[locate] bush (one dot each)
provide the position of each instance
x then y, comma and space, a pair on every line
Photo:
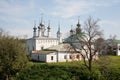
57, 72
63, 72
111, 73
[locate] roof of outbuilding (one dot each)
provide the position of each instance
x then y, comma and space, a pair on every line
66, 47
44, 52
62, 47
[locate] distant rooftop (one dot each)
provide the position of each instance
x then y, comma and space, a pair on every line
117, 41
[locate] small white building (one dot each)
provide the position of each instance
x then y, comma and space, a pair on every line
65, 53
59, 53
44, 56
116, 47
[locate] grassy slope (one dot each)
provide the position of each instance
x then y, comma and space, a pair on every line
115, 61
68, 70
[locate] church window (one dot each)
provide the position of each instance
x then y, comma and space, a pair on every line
114, 48
70, 56
42, 48
65, 56
51, 57
78, 56
33, 47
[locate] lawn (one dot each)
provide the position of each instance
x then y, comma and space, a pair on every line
114, 61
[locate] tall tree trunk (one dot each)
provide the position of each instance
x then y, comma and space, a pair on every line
90, 62
90, 65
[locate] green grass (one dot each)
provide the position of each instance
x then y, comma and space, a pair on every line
114, 61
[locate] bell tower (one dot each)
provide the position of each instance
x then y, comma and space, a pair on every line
34, 30
41, 29
71, 31
78, 30
59, 34
48, 29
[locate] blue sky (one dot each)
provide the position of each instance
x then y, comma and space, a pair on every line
18, 16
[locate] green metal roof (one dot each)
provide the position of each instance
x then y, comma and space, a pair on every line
117, 41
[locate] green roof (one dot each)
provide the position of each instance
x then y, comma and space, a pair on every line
117, 41
81, 34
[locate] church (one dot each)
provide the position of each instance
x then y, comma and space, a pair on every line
40, 41
44, 48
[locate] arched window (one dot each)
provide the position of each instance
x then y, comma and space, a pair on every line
33, 48
70, 56
78, 56
42, 48
65, 56
51, 57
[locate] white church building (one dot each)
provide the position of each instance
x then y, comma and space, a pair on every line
40, 41
44, 48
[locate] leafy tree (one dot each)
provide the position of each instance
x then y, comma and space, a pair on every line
12, 56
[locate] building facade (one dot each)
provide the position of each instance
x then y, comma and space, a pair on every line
44, 48
59, 53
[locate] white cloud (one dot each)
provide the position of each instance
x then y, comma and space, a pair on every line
110, 27
69, 8
111, 23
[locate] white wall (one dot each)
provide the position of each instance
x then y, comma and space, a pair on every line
37, 44
45, 43
48, 57
57, 57
61, 57
118, 49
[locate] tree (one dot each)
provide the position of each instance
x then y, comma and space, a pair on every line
87, 40
12, 56
111, 45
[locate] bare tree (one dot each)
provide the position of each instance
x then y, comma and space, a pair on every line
111, 45
91, 32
